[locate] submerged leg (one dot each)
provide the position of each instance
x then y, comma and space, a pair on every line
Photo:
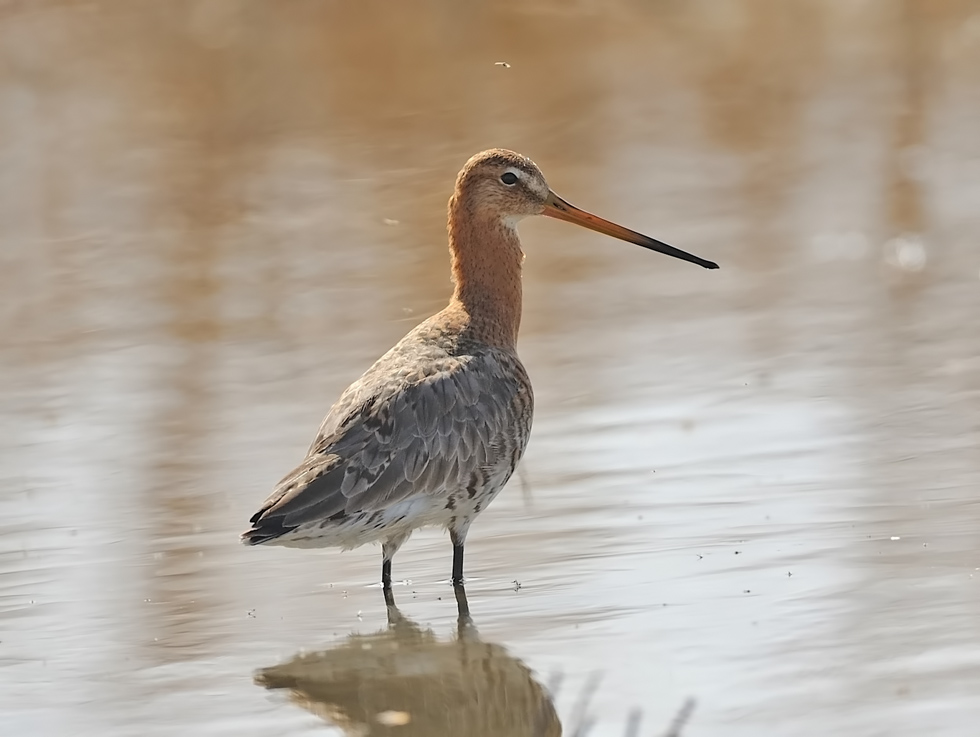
465, 629
462, 605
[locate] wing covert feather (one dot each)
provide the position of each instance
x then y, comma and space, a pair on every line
383, 441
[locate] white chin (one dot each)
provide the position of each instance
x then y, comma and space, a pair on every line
511, 221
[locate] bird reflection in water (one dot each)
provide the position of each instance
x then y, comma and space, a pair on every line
407, 677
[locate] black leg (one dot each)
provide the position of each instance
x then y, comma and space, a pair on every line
457, 564
386, 573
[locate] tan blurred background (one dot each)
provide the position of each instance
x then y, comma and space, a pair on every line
757, 487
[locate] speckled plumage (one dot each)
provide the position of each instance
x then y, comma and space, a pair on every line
431, 433
427, 436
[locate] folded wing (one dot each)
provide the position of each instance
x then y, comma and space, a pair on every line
385, 441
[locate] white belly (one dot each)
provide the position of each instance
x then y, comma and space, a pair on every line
441, 509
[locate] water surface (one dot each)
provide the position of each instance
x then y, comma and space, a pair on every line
755, 487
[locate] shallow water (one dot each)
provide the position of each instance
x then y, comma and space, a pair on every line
756, 488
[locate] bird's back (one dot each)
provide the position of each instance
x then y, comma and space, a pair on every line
431, 431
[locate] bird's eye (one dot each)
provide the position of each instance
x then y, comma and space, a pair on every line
509, 178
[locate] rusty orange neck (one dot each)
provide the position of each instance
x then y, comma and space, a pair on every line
486, 266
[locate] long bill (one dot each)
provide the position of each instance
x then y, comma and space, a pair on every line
556, 207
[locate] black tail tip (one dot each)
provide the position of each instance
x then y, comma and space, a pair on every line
265, 530
257, 537
248, 537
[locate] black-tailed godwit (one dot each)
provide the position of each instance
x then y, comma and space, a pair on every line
433, 430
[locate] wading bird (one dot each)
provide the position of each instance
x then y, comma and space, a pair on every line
433, 430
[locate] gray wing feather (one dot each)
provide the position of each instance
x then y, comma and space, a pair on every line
382, 442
